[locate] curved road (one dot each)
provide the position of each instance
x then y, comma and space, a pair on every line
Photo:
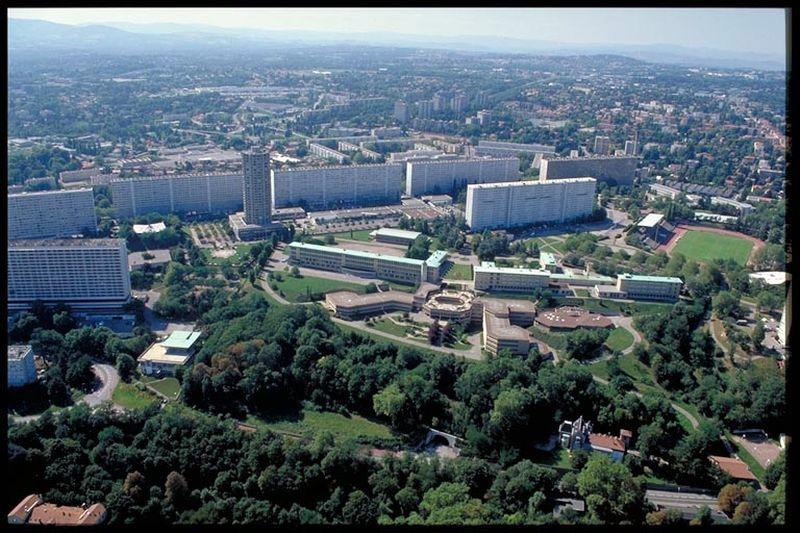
109, 378
468, 354
692, 420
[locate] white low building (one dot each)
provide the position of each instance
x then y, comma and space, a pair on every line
162, 358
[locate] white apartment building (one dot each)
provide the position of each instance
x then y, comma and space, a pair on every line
201, 193
615, 170
83, 273
638, 287
318, 188
663, 190
446, 176
489, 277
328, 153
388, 267
21, 366
509, 149
508, 205
47, 214
743, 207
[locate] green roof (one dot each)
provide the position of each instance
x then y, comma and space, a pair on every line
436, 259
662, 279
181, 339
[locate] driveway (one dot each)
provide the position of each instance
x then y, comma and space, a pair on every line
109, 377
762, 449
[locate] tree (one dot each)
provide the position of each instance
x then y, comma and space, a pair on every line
175, 488
774, 471
126, 366
726, 305
668, 517
730, 496
612, 494
359, 509
702, 518
134, 486
757, 336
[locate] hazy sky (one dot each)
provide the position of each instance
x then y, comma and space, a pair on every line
746, 30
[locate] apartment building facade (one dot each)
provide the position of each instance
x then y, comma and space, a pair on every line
446, 176
51, 214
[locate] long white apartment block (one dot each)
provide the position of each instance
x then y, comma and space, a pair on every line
202, 193
318, 188
329, 153
512, 204
83, 273
489, 277
356, 262
445, 176
36, 215
508, 149
615, 170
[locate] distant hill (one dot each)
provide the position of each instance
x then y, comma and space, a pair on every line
132, 38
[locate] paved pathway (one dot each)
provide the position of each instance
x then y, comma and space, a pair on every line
627, 323
692, 420
109, 378
472, 353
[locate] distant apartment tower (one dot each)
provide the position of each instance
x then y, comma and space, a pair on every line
337, 186
36, 215
21, 366
424, 108
401, 111
446, 176
83, 273
440, 102
513, 204
631, 148
321, 150
459, 103
610, 169
602, 144
184, 193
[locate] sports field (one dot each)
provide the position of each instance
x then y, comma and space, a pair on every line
706, 246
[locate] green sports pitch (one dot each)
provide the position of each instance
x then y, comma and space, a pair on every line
707, 246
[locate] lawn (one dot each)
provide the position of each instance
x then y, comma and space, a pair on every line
308, 422
706, 246
129, 397
554, 340
745, 456
169, 387
631, 366
619, 339
380, 338
297, 289
459, 272
387, 326
611, 306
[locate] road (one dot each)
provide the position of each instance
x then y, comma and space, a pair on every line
472, 353
689, 503
692, 420
109, 379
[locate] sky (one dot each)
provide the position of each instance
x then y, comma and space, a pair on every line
760, 31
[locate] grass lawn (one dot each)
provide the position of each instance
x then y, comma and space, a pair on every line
559, 458
295, 289
745, 456
582, 293
459, 272
611, 306
130, 397
619, 339
387, 326
356, 235
169, 387
631, 366
401, 286
705, 246
380, 338
308, 422
554, 340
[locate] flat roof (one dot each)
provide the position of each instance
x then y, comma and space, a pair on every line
662, 279
157, 353
181, 339
503, 184
569, 276
351, 299
46, 193
72, 243
356, 253
18, 351
149, 228
395, 232
436, 258
775, 277
489, 266
160, 256
651, 220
